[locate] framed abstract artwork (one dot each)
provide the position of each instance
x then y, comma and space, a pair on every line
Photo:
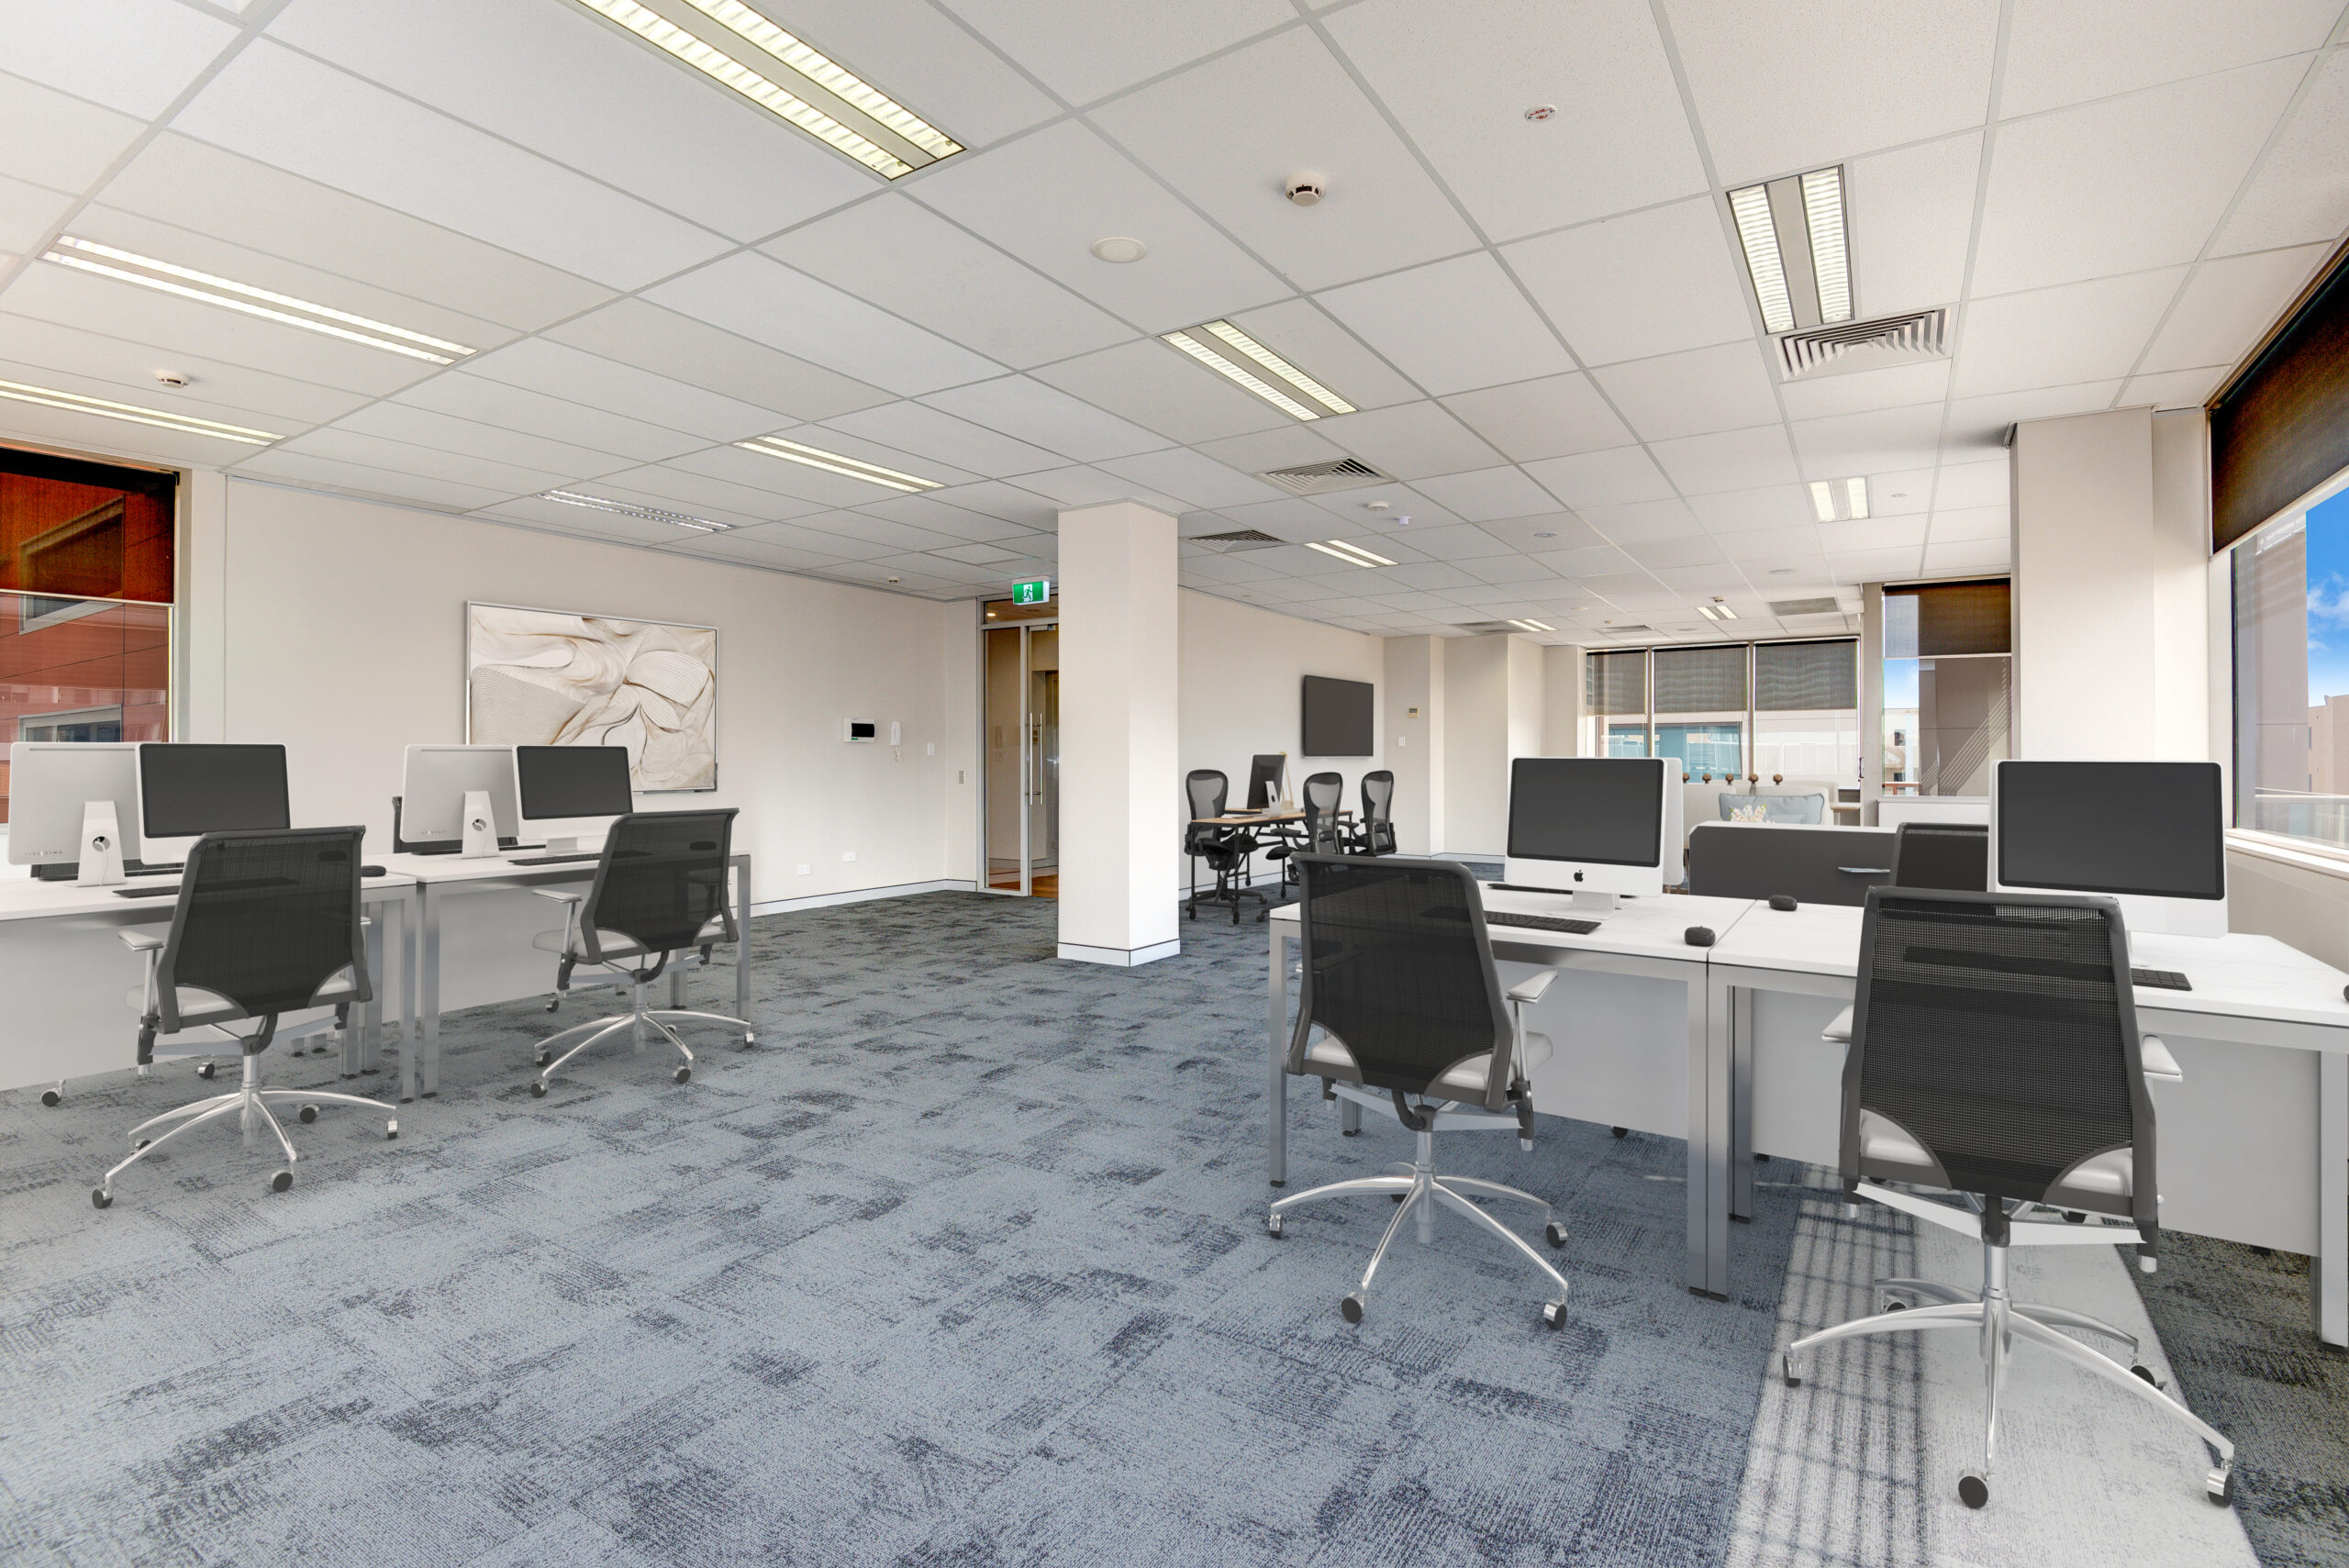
555, 678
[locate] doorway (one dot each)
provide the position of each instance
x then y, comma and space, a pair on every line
1022, 738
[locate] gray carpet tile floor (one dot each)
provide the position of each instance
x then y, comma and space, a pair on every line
964, 1265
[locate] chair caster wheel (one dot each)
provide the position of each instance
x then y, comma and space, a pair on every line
1972, 1490
1352, 1307
1896, 1307
281, 1181
101, 1198
391, 1129
1620, 1131
52, 1099
2219, 1485
554, 1005
206, 1070
309, 1115
1273, 1226
541, 1059
749, 1041
683, 1073
1394, 1197
537, 1090
1555, 1234
142, 1143
2147, 1374
2074, 1216
1553, 1316
1786, 1371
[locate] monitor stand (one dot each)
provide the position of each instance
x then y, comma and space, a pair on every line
563, 846
1588, 902
480, 829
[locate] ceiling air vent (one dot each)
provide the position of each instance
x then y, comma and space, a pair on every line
1237, 539
1624, 630
1321, 478
1784, 607
1864, 345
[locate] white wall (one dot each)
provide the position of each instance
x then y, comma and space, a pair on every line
1561, 702
1416, 730
341, 634
1475, 746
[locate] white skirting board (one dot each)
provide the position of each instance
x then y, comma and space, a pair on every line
863, 895
1121, 958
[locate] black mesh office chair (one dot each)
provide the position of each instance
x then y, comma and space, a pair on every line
658, 898
1994, 1053
1227, 850
267, 923
1402, 1009
1323, 796
1374, 830
1952, 855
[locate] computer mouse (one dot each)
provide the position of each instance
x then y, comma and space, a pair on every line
1700, 935
1782, 901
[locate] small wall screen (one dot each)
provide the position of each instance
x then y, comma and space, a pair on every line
1337, 717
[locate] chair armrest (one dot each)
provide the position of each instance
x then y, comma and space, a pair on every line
1839, 1028
1530, 989
559, 895
141, 941
2160, 1066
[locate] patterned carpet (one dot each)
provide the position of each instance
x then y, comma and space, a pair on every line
963, 1265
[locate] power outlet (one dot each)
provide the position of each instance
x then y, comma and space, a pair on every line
848, 854
958, 775
806, 871
930, 748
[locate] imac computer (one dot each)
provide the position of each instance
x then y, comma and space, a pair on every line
2152, 835
570, 793
51, 783
186, 791
434, 815
1596, 827
1264, 780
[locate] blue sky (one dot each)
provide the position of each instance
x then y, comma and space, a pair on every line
2328, 535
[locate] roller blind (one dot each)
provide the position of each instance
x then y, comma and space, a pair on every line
1932, 619
2281, 426
1616, 683
1700, 680
1789, 676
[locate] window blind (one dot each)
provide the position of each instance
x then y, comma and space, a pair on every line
2280, 427
1700, 680
1792, 676
1934, 618
1616, 683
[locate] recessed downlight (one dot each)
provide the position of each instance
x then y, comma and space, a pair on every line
833, 463
781, 73
1351, 554
629, 509
132, 413
1120, 248
1797, 251
167, 277
1232, 354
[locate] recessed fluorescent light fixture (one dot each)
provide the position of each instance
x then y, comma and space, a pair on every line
1351, 554
1838, 498
89, 256
161, 418
776, 70
1716, 611
1232, 354
833, 462
628, 510
1531, 626
1797, 251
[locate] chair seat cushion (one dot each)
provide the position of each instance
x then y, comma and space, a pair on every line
1471, 1074
1886, 1151
614, 944
198, 1006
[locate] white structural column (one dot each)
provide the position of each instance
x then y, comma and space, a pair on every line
1122, 817
2112, 551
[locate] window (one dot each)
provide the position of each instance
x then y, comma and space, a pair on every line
1700, 709
1946, 686
2291, 659
85, 602
1806, 710
1777, 710
1615, 695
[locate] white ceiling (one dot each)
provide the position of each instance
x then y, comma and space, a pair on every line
1545, 325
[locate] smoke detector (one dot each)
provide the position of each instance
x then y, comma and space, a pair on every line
1305, 190
170, 378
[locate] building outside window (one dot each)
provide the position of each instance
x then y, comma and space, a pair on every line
1615, 697
1947, 686
2291, 672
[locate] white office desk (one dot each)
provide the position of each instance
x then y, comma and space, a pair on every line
444, 877
2253, 1144
64, 975
1626, 1050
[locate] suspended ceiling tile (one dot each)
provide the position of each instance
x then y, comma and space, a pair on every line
1850, 444
215, 390
400, 486
1488, 494
1159, 389
1984, 484
1644, 283
1770, 544
702, 494
1729, 459
1871, 533
506, 479
55, 139
449, 433
1693, 394
1046, 416
497, 403
1861, 392
1600, 478
1197, 480
2300, 192
936, 437
1290, 448
1550, 417
1450, 326
1979, 425
1409, 440
131, 55
1963, 556
2174, 389
1770, 508
2070, 52
1911, 216
636, 332
1086, 52
2227, 305
1951, 524
958, 522
557, 370
1303, 333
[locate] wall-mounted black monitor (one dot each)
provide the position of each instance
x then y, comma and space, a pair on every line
1337, 717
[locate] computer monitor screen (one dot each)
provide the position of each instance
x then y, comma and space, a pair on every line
571, 792
1584, 808
434, 781
2154, 830
1264, 780
188, 790
1337, 717
48, 783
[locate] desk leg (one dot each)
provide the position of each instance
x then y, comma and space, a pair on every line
428, 1069
2328, 1270
1708, 1094
742, 947
360, 1043
1741, 1104
1276, 1090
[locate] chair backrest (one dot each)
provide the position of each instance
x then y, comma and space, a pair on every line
1379, 795
1955, 855
1759, 807
1999, 1030
1814, 865
1399, 968
265, 919
662, 878
1324, 794
1207, 790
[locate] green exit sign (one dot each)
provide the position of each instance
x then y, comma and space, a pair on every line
1037, 593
